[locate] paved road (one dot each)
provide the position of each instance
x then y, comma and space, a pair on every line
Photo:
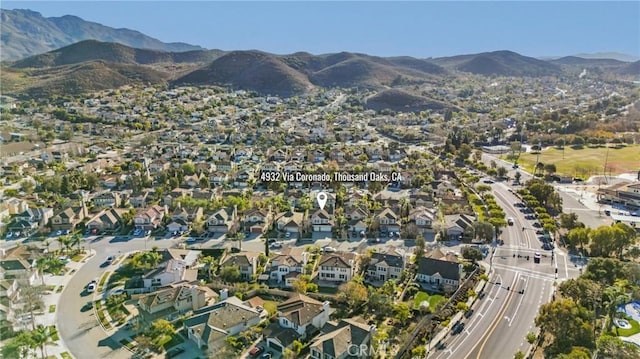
81, 332
501, 320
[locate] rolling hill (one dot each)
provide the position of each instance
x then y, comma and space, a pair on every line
250, 70
93, 50
26, 33
500, 63
87, 77
399, 100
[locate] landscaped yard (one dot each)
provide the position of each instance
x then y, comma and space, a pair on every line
635, 328
424, 296
585, 162
270, 306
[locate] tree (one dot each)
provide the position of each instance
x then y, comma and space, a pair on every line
484, 230
615, 296
517, 177
401, 312
354, 293
570, 221
568, 323
419, 352
531, 337
611, 240
550, 168
583, 291
578, 237
519, 355
31, 300
230, 274
420, 245
576, 353
471, 253
501, 172
41, 337
614, 347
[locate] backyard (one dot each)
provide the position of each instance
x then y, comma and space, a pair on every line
433, 300
585, 162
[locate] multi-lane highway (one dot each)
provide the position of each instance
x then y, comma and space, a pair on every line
517, 288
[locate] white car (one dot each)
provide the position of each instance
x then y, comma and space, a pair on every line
91, 288
9, 235
58, 233
329, 249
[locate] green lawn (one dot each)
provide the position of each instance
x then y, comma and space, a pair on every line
432, 299
587, 161
65, 355
635, 328
328, 290
78, 257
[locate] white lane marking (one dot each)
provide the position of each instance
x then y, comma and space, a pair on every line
526, 283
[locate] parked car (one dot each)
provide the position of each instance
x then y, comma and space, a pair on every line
110, 259
329, 249
91, 288
87, 306
266, 356
457, 328
256, 351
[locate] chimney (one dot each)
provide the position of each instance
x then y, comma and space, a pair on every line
224, 294
325, 306
372, 329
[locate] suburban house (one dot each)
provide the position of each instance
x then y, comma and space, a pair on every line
39, 216
224, 220
291, 222
388, 220
337, 267
150, 218
107, 199
439, 273
181, 297
68, 219
19, 263
285, 268
385, 266
423, 217
247, 263
338, 340
322, 221
176, 265
209, 326
107, 220
457, 224
299, 317
256, 221
178, 225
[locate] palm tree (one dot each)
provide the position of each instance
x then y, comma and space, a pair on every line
41, 338
615, 296
64, 243
41, 266
75, 240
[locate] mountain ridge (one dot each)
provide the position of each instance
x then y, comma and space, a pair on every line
26, 33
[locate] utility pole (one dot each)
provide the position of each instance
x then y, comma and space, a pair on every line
606, 159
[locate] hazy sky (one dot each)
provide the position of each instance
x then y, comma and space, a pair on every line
421, 29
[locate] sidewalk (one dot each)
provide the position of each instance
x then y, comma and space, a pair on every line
52, 300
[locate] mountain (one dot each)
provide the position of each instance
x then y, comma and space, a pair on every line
399, 100
92, 50
79, 78
25, 33
250, 70
580, 61
630, 69
500, 63
610, 55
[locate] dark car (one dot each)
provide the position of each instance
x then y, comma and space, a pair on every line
468, 313
86, 307
457, 328
441, 346
174, 352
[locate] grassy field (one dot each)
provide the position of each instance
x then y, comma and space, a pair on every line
586, 162
423, 296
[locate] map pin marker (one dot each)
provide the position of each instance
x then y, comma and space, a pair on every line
321, 197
